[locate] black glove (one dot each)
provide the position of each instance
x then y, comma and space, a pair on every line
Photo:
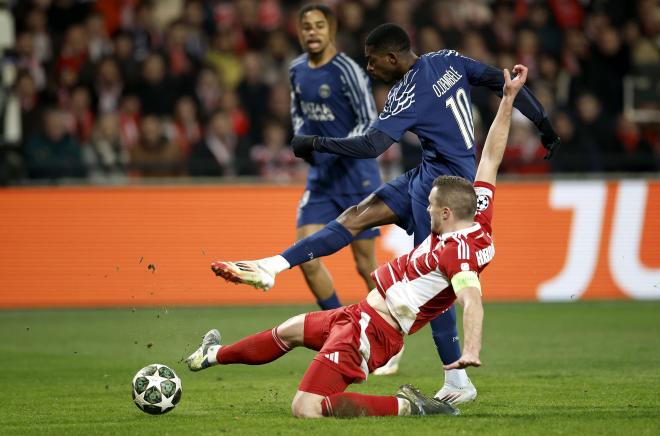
303, 147
549, 138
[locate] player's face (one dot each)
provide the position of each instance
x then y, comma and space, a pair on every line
382, 66
315, 32
438, 212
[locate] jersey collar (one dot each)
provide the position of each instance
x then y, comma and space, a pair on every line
466, 231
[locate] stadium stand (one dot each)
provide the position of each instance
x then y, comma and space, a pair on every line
112, 91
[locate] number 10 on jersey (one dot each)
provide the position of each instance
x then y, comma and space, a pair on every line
462, 110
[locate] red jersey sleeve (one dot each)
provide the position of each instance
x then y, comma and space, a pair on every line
457, 256
485, 203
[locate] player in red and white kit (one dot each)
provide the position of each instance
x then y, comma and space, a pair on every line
410, 291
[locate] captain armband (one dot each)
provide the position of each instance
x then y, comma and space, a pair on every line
465, 279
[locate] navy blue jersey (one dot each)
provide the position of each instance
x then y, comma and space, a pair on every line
334, 100
433, 101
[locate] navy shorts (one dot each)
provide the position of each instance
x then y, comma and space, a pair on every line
321, 208
413, 215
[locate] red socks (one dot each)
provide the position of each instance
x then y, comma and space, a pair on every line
257, 349
350, 404
267, 346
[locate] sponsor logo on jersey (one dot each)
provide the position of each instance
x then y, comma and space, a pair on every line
446, 81
317, 111
333, 357
324, 90
485, 255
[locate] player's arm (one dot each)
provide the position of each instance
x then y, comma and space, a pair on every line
297, 119
480, 74
361, 99
473, 317
491, 155
370, 145
398, 116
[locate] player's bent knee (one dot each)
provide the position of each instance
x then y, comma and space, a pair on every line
306, 405
311, 267
352, 220
370, 212
292, 331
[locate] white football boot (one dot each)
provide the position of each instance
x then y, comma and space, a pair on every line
249, 272
457, 395
199, 360
392, 365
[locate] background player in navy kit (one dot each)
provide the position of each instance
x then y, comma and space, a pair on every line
431, 98
331, 96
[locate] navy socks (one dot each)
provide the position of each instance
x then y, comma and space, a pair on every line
445, 336
331, 302
328, 240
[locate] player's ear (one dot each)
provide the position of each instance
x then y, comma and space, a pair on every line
392, 58
446, 212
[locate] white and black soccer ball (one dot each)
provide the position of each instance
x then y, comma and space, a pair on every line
156, 389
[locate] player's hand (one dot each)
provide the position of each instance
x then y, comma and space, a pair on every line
303, 147
549, 138
467, 359
513, 86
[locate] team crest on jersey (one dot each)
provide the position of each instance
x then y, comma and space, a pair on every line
324, 90
482, 202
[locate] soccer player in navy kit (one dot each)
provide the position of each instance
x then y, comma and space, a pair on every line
431, 98
331, 96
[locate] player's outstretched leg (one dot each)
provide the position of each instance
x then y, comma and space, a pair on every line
406, 402
256, 349
337, 234
261, 273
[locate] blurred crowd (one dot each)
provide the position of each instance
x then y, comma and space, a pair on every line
116, 89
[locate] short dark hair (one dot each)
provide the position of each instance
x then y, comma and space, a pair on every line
389, 37
325, 10
458, 194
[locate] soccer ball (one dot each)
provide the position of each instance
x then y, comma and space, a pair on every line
156, 389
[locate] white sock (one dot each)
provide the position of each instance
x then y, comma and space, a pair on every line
404, 407
274, 264
212, 354
457, 378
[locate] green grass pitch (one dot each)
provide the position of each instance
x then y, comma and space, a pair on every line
574, 369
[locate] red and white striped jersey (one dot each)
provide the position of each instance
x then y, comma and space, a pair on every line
417, 286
